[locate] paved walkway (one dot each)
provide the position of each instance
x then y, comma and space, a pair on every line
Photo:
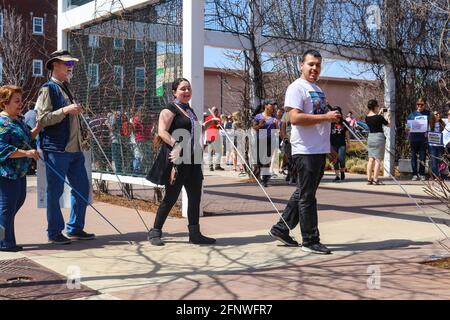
378, 238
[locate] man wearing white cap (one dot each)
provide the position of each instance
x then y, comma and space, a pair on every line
62, 143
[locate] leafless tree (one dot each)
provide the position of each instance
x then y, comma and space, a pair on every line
16, 48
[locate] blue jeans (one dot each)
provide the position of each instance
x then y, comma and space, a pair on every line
418, 147
341, 151
70, 165
12, 197
436, 154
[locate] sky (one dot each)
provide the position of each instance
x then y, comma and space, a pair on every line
215, 58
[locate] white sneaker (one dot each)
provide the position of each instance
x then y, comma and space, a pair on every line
422, 178
415, 178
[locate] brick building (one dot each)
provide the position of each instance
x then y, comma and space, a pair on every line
39, 19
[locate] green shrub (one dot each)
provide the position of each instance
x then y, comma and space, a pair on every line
358, 169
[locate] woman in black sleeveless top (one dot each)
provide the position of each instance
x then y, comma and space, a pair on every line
177, 124
376, 141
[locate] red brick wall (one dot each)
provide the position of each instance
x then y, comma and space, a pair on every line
46, 43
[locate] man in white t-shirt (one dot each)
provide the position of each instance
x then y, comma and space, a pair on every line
310, 140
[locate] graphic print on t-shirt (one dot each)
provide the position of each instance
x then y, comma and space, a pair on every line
337, 129
318, 102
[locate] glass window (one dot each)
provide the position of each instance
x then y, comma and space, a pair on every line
140, 78
93, 75
37, 68
1, 24
139, 45
38, 25
118, 43
94, 41
118, 77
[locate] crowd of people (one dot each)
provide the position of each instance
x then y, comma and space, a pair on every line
126, 139
297, 138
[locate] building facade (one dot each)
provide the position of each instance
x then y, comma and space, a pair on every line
38, 34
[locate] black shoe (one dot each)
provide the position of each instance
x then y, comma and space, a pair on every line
337, 179
342, 176
219, 168
285, 238
154, 236
265, 184
12, 249
60, 239
316, 248
81, 235
196, 237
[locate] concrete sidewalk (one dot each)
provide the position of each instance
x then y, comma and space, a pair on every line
378, 238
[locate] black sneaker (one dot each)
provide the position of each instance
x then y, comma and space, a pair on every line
219, 168
316, 248
285, 238
336, 179
211, 168
81, 235
60, 239
12, 249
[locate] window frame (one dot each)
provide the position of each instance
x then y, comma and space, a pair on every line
1, 23
41, 68
96, 84
35, 19
121, 77
122, 41
136, 79
93, 43
139, 49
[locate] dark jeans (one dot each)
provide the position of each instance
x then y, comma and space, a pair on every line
418, 147
302, 206
190, 177
436, 153
12, 197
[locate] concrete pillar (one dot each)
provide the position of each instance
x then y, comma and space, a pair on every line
62, 35
389, 101
193, 61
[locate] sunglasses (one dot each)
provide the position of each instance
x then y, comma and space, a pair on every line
69, 63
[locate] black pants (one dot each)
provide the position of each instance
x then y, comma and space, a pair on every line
190, 177
302, 206
418, 147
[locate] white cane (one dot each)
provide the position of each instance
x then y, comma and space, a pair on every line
251, 171
404, 190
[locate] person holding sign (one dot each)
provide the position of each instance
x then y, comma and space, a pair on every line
417, 127
437, 125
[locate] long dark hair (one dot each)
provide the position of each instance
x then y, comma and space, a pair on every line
433, 121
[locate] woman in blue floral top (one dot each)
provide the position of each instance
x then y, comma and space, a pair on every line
15, 158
